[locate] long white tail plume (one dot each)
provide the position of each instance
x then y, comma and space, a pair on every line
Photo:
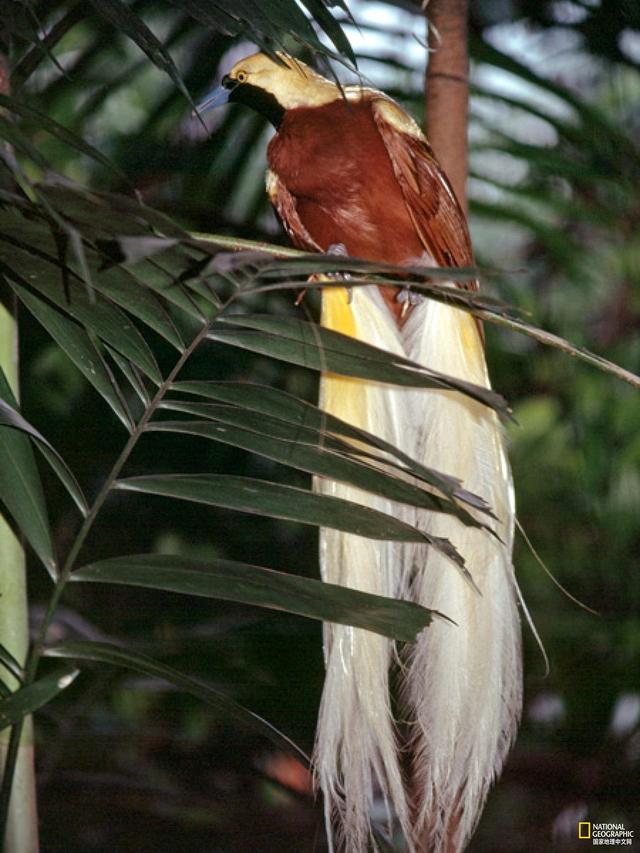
463, 684
356, 757
461, 691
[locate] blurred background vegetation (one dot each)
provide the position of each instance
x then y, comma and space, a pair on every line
126, 764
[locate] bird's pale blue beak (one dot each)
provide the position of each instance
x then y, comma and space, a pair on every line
218, 96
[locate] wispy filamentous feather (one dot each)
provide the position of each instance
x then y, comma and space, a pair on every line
356, 755
461, 685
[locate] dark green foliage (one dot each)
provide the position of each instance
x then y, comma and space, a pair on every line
231, 581
20, 487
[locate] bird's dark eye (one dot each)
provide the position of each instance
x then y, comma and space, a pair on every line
241, 77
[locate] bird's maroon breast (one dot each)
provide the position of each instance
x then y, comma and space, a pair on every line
334, 163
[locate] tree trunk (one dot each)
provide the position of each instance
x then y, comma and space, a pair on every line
447, 90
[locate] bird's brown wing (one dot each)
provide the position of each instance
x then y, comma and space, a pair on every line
430, 200
285, 205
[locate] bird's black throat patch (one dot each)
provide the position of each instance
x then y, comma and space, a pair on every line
256, 98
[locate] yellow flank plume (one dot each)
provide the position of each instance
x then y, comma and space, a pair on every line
337, 313
342, 395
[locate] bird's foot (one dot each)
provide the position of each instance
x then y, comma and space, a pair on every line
341, 250
408, 298
334, 249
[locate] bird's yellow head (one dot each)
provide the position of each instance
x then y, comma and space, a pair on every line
273, 87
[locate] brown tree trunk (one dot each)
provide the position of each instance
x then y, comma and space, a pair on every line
447, 90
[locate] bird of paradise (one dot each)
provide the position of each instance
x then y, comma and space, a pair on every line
350, 172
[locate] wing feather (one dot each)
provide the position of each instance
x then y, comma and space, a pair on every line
432, 205
285, 205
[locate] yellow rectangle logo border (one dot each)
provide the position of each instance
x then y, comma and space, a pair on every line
581, 825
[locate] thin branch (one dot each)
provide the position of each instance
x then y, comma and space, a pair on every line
555, 341
500, 316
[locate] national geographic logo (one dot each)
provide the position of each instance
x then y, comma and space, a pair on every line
611, 834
